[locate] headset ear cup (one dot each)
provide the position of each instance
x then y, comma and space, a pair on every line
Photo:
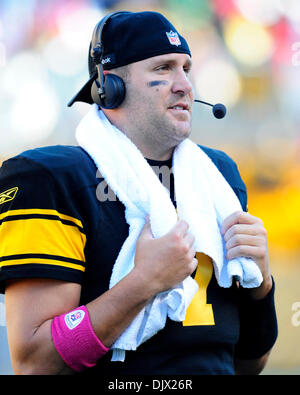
114, 88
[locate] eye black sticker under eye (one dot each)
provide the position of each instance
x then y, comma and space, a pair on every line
157, 83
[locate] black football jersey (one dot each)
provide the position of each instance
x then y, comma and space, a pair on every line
54, 225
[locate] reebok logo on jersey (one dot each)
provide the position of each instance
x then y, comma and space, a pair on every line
8, 195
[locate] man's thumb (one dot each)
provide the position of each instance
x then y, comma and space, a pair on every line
146, 231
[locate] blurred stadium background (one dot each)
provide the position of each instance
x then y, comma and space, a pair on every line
246, 54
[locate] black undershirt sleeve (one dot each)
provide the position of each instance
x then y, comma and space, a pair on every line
258, 325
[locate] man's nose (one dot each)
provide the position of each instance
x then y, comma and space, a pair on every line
182, 84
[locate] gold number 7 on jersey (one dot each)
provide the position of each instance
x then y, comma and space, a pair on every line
199, 312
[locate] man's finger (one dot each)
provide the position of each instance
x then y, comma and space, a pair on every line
181, 227
189, 239
240, 229
253, 252
238, 217
244, 239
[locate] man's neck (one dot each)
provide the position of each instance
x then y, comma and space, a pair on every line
158, 156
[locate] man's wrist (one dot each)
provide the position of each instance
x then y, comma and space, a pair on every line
263, 290
146, 288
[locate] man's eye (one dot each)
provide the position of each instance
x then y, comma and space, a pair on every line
163, 67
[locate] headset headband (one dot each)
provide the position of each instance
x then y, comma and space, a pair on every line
97, 36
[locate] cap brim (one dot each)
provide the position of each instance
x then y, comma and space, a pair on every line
84, 95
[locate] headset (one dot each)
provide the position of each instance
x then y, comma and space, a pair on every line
107, 91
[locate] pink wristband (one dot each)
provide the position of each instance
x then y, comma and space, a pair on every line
75, 340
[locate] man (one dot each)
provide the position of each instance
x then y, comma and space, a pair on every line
59, 242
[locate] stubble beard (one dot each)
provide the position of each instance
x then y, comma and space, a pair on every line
168, 134
157, 131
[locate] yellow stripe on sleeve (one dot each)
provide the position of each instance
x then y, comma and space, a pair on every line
41, 236
41, 212
41, 261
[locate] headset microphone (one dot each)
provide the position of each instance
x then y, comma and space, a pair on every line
219, 110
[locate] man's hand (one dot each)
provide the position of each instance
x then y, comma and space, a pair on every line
168, 260
246, 236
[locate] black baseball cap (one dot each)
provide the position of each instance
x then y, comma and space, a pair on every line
130, 37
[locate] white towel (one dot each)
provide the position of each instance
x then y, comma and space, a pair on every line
204, 199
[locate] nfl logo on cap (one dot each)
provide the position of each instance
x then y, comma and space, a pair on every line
173, 38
